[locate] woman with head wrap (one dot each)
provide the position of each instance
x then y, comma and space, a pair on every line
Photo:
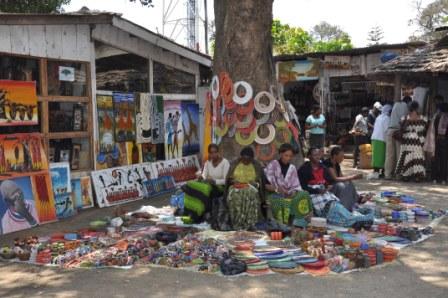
245, 191
379, 138
284, 191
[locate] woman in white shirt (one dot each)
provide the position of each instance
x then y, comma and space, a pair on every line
200, 194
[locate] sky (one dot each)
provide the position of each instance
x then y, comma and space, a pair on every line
356, 17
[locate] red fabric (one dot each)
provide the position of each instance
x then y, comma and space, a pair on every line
318, 177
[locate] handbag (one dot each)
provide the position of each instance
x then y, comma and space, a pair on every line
398, 134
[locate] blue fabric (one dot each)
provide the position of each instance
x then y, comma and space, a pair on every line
338, 215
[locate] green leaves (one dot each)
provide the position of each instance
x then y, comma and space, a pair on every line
32, 6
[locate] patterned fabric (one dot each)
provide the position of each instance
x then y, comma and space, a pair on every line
320, 200
244, 207
411, 163
280, 207
338, 215
244, 173
298, 207
290, 182
301, 207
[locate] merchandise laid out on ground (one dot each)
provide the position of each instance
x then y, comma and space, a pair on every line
155, 236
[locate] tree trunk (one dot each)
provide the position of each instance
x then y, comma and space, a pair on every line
243, 48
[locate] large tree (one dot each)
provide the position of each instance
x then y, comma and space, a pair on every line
32, 6
376, 34
290, 40
429, 18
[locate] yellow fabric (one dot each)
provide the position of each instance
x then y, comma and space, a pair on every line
244, 173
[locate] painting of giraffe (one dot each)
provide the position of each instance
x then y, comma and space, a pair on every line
190, 126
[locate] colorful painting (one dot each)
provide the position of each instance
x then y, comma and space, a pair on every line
65, 207
298, 70
18, 103
21, 154
190, 128
108, 155
148, 152
132, 153
124, 112
157, 123
182, 169
44, 198
174, 137
158, 186
17, 205
143, 118
86, 192
76, 194
60, 177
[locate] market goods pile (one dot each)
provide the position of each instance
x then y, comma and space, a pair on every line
154, 236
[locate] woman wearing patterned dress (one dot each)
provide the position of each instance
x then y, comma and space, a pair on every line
411, 163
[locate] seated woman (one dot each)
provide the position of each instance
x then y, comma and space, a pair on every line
342, 186
200, 194
314, 178
284, 191
245, 192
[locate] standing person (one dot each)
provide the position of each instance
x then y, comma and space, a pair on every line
316, 125
399, 110
437, 144
360, 133
284, 191
379, 139
169, 139
373, 114
411, 163
245, 191
176, 130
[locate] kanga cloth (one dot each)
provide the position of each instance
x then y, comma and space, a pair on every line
297, 207
338, 215
378, 154
199, 198
411, 163
244, 206
244, 173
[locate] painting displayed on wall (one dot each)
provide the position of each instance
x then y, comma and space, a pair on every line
157, 120
21, 154
17, 205
132, 153
86, 192
174, 136
60, 177
108, 153
190, 128
181, 169
124, 112
123, 184
18, 103
148, 152
143, 118
44, 198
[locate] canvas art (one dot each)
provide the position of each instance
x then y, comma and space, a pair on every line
143, 118
17, 205
124, 112
148, 152
18, 103
76, 194
181, 169
158, 186
65, 207
174, 136
157, 121
108, 153
21, 154
86, 192
44, 198
190, 128
60, 177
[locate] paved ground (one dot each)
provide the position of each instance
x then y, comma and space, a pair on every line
421, 271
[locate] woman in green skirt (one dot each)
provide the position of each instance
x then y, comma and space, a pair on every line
379, 139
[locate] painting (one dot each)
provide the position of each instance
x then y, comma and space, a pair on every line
60, 177
123, 184
148, 152
298, 70
76, 194
143, 118
158, 186
190, 128
108, 153
18, 103
65, 206
157, 123
17, 205
124, 112
21, 154
76, 152
182, 169
44, 198
174, 136
86, 192
132, 153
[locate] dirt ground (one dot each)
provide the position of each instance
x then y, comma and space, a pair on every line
421, 270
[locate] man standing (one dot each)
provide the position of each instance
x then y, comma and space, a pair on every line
399, 111
360, 133
373, 114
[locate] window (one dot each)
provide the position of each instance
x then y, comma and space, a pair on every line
172, 81
67, 116
19, 69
